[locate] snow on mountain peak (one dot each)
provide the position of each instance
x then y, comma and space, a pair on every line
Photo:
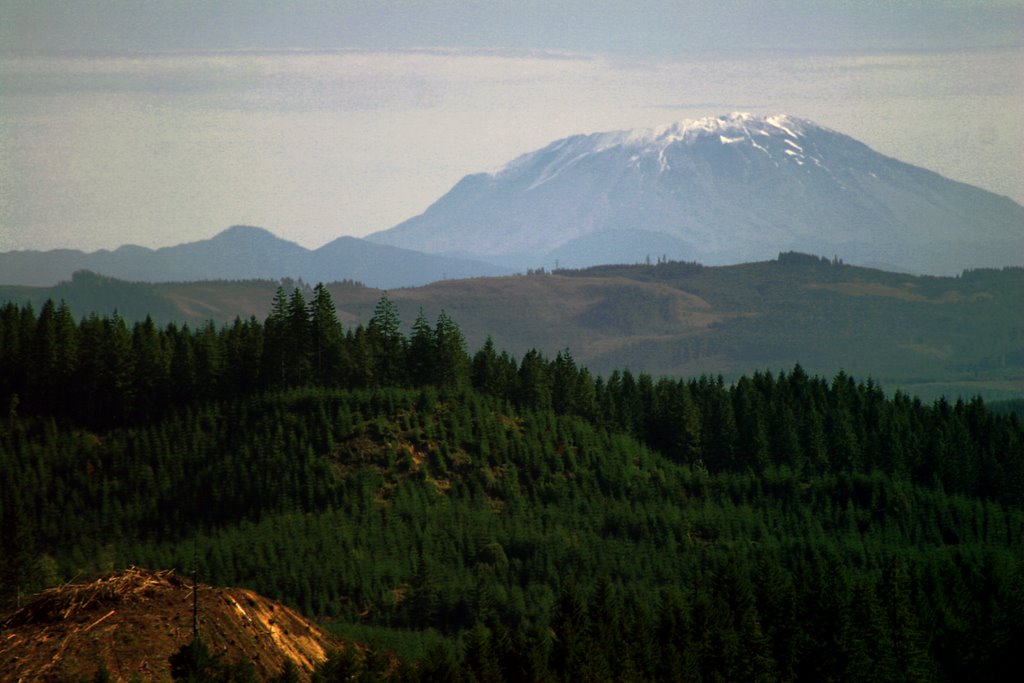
729, 126
729, 129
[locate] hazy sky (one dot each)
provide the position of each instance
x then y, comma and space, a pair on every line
154, 123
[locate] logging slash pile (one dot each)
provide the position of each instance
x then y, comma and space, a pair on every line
131, 623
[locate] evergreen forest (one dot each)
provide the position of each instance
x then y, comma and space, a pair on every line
478, 517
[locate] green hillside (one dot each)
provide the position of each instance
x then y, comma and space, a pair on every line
503, 519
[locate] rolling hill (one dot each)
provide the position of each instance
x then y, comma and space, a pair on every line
931, 335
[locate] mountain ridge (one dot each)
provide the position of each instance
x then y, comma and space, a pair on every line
240, 253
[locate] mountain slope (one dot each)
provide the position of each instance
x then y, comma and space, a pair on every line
717, 190
240, 253
387, 267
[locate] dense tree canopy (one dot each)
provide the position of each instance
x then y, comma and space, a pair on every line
495, 519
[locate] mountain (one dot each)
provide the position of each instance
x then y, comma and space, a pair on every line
240, 253
717, 190
132, 622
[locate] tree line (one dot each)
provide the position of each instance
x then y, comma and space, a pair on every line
100, 373
49, 362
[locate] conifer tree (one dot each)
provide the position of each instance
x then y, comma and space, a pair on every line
439, 666
564, 377
533, 385
493, 373
608, 655
423, 598
46, 374
479, 663
387, 343
327, 345
298, 337
151, 366
421, 354
276, 349
208, 361
450, 360
904, 641
570, 626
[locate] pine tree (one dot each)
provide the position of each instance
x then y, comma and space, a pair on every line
775, 599
208, 361
421, 356
44, 369
182, 375
298, 336
865, 646
242, 346
423, 596
492, 373
479, 663
328, 338
439, 666
151, 364
569, 626
450, 361
752, 659
752, 445
533, 385
903, 637
387, 344
719, 434
564, 377
609, 652
275, 355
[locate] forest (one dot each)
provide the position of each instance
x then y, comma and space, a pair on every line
488, 518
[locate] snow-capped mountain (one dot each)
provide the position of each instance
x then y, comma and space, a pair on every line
717, 190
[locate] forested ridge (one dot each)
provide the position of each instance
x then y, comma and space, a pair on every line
493, 518
932, 336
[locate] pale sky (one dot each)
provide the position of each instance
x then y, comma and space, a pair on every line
155, 123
